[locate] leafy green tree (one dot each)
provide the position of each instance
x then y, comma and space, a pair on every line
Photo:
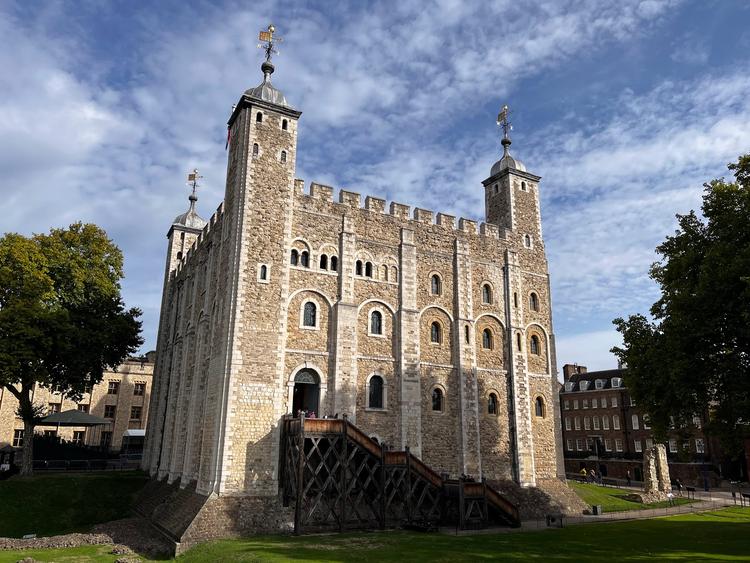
62, 319
693, 358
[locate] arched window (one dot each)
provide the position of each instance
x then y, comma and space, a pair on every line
486, 294
256, 149
295, 257
523, 186
264, 272
376, 322
284, 124
539, 407
375, 396
535, 349
466, 333
310, 314
394, 273
179, 255
527, 241
334, 263
515, 300
437, 399
487, 339
435, 285
323, 262
435, 332
368, 269
518, 341
358, 268
304, 259
534, 301
492, 404
259, 117
283, 156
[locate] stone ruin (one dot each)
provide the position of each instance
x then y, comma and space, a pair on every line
656, 481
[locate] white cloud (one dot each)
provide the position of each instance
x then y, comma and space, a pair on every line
590, 349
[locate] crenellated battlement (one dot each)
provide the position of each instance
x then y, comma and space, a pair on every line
400, 211
203, 237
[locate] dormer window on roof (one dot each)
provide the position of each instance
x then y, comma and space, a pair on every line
599, 383
584, 385
616, 382
569, 385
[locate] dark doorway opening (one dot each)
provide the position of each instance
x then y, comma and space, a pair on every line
638, 472
306, 393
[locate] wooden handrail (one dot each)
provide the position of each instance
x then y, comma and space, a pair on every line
503, 504
425, 471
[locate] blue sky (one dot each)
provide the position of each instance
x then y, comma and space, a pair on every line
625, 109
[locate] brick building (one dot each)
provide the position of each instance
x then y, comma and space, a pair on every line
122, 398
603, 429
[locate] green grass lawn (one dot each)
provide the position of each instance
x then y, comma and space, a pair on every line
722, 535
52, 504
611, 499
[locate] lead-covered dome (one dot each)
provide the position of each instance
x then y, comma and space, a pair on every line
507, 161
266, 91
190, 218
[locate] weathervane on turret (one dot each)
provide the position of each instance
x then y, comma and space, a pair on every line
192, 181
502, 121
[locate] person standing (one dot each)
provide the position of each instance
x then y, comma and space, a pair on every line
627, 477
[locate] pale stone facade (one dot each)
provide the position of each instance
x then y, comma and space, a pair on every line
121, 398
234, 350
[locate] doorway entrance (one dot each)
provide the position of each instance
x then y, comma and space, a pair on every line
306, 393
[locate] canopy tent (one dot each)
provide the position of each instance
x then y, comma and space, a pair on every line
72, 417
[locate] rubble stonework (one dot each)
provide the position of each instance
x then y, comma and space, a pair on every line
232, 343
656, 481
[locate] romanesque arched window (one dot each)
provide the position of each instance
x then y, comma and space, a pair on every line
304, 259
284, 124
264, 272
539, 407
492, 404
534, 301
358, 268
334, 264
435, 332
435, 285
375, 393
394, 274
466, 334
323, 262
518, 341
535, 346
256, 149
310, 314
368, 269
294, 260
376, 322
437, 399
523, 186
283, 156
487, 339
486, 294
259, 117
527, 241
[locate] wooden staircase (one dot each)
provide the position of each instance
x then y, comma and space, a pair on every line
337, 477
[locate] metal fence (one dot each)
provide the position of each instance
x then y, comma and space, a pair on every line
124, 463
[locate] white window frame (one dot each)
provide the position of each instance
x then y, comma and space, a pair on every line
575, 404
607, 445
673, 445
567, 423
566, 405
586, 423
613, 402
649, 443
700, 446
605, 422
604, 402
577, 422
569, 444
579, 444
618, 444
637, 446
596, 423
594, 403
646, 420
585, 404
634, 423
615, 422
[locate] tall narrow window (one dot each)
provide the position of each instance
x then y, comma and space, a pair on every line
527, 241
304, 259
634, 422
435, 332
535, 344
334, 264
376, 392
284, 124
256, 149
435, 284
394, 274
523, 186
323, 262
466, 333
539, 407
492, 404
259, 117
486, 294
437, 399
534, 301
515, 301
518, 341
376, 322
283, 156
358, 268
368, 269
487, 339
264, 272
310, 314
294, 260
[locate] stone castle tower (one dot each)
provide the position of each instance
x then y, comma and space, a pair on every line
426, 333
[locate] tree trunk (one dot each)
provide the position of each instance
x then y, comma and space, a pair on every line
27, 467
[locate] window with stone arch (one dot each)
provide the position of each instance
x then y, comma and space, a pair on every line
376, 392
534, 301
334, 263
436, 284
259, 117
487, 339
523, 186
304, 259
436, 332
539, 407
284, 124
466, 334
294, 259
487, 294
323, 261
263, 274
358, 268
283, 157
527, 241
310, 315
393, 274
256, 150
368, 269
376, 323
438, 400
535, 345
492, 403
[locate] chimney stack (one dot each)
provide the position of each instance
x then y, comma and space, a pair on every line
570, 370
